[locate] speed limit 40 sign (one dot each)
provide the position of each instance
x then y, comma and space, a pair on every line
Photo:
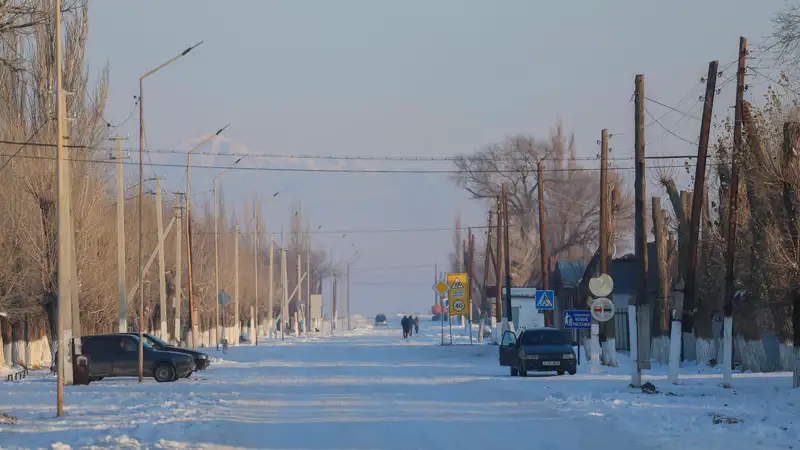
458, 295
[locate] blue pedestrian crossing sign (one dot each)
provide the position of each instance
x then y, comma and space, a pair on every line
545, 299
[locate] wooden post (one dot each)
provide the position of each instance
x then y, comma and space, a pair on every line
499, 314
640, 238
178, 281
506, 252
548, 315
699, 185
733, 214
162, 269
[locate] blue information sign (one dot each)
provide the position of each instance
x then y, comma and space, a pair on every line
577, 319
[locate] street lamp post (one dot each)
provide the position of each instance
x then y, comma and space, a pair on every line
188, 228
216, 257
141, 195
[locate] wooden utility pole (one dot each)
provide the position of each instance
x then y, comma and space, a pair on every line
733, 214
216, 268
640, 238
236, 320
121, 296
192, 316
308, 289
270, 289
699, 186
791, 134
499, 306
162, 269
484, 298
548, 315
284, 290
254, 315
299, 282
471, 278
604, 201
178, 268
507, 254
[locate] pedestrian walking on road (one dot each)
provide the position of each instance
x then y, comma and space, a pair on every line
416, 325
410, 325
405, 324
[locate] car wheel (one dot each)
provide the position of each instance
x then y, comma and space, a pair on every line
513, 371
523, 373
560, 372
164, 373
95, 378
188, 375
572, 372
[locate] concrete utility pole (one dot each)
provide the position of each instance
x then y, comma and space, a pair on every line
162, 277
254, 312
498, 303
333, 289
285, 284
121, 296
63, 258
733, 214
216, 267
640, 233
470, 279
75, 313
507, 254
178, 283
548, 315
270, 288
347, 299
237, 325
192, 316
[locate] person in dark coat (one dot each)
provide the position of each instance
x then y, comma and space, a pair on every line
410, 325
405, 323
416, 324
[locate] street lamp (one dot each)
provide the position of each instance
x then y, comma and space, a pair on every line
141, 194
216, 256
255, 308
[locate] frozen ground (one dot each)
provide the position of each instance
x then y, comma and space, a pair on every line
370, 389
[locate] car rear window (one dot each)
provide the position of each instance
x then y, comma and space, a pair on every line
543, 337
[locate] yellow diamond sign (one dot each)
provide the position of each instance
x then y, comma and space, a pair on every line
441, 287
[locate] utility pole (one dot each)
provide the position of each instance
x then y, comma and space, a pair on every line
75, 312
285, 284
216, 269
507, 254
162, 277
470, 279
254, 310
237, 324
334, 289
178, 268
604, 202
308, 289
640, 230
348, 297
791, 131
699, 185
192, 316
270, 301
484, 302
548, 315
733, 214
499, 313
63, 257
121, 296
299, 284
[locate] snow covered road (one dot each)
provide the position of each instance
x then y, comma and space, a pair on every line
370, 389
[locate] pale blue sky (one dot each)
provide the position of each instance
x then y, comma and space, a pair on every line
403, 78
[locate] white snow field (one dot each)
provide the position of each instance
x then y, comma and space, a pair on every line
368, 389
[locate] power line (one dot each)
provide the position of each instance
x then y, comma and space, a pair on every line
406, 267
23, 145
668, 130
685, 114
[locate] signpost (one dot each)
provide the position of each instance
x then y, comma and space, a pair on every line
545, 300
441, 288
600, 287
457, 294
577, 320
602, 309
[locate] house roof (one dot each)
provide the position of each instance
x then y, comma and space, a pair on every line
624, 271
567, 274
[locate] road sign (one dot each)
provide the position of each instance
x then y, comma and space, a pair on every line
545, 299
223, 298
441, 287
601, 286
602, 309
458, 293
577, 319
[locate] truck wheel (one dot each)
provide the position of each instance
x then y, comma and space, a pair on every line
523, 373
572, 372
164, 373
560, 372
514, 371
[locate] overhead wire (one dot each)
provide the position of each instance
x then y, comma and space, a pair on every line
24, 144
